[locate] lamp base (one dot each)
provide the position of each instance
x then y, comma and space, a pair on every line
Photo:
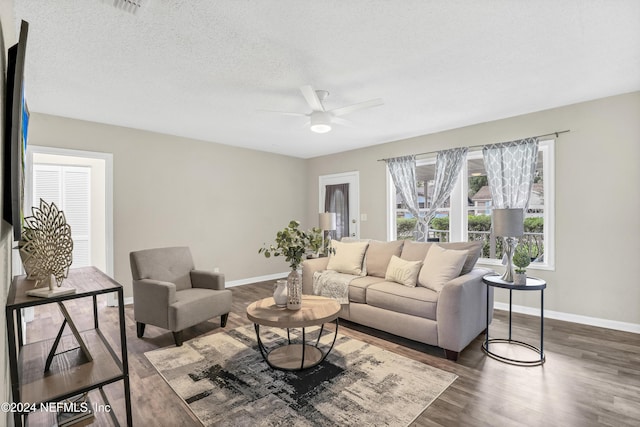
510, 244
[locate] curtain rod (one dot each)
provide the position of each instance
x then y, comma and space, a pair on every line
479, 146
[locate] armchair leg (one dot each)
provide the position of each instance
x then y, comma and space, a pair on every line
451, 355
177, 337
140, 329
223, 320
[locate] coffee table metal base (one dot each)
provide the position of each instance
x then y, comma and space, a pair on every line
295, 356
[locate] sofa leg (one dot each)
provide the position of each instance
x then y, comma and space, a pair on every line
177, 337
223, 320
140, 329
451, 355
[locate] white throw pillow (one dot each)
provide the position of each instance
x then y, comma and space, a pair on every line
402, 271
348, 257
440, 266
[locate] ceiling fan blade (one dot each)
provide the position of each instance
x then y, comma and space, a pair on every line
342, 122
312, 98
355, 107
286, 113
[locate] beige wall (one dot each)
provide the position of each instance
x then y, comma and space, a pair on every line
596, 195
223, 202
7, 38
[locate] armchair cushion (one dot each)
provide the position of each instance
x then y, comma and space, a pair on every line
164, 264
195, 305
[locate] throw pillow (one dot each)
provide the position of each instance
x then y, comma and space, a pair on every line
440, 266
402, 271
379, 254
474, 248
415, 251
348, 257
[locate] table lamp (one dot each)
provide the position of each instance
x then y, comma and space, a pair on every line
327, 222
509, 224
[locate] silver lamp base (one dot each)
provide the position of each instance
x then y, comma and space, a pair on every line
510, 244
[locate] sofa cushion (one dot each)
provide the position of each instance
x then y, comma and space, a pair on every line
474, 248
358, 288
414, 251
440, 266
348, 257
403, 271
379, 254
416, 301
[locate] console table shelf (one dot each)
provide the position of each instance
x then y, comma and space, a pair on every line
71, 370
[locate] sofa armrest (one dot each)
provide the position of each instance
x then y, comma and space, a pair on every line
207, 279
151, 300
461, 310
309, 267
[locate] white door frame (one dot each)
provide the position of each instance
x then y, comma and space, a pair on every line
353, 179
108, 161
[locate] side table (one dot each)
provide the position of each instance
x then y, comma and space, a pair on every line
533, 284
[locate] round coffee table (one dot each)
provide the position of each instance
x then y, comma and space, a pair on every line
315, 311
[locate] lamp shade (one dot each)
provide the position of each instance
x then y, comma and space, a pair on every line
508, 222
327, 221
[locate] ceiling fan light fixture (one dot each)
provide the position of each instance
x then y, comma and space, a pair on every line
320, 122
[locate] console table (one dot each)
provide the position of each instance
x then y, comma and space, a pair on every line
532, 284
35, 381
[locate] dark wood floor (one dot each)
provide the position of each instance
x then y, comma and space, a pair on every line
591, 377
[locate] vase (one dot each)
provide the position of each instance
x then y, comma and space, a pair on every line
280, 293
294, 290
520, 279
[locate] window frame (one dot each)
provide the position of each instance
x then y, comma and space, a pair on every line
458, 211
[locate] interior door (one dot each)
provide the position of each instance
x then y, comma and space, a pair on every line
335, 191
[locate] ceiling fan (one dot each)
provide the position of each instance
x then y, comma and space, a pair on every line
322, 119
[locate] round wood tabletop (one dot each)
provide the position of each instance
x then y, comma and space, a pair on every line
315, 311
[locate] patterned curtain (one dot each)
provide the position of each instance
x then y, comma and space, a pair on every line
448, 165
336, 199
403, 174
511, 168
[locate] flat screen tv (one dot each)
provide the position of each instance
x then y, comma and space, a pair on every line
15, 134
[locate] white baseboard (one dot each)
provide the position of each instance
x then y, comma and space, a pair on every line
568, 317
113, 302
250, 280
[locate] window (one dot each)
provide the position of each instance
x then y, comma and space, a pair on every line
69, 188
467, 213
405, 221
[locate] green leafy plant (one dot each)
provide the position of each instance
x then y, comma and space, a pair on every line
521, 259
315, 239
293, 244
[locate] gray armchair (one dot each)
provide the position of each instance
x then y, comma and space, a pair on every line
169, 293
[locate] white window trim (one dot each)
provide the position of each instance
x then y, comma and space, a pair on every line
458, 205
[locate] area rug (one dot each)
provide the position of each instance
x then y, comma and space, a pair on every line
225, 382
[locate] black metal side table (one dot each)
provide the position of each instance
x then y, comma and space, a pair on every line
533, 284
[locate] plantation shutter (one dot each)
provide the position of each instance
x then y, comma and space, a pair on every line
69, 188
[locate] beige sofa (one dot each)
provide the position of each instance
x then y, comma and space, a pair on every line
449, 315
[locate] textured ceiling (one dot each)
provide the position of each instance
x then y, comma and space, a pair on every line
203, 69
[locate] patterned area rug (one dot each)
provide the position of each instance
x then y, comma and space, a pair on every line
225, 382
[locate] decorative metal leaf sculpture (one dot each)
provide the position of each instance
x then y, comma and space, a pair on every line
46, 246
